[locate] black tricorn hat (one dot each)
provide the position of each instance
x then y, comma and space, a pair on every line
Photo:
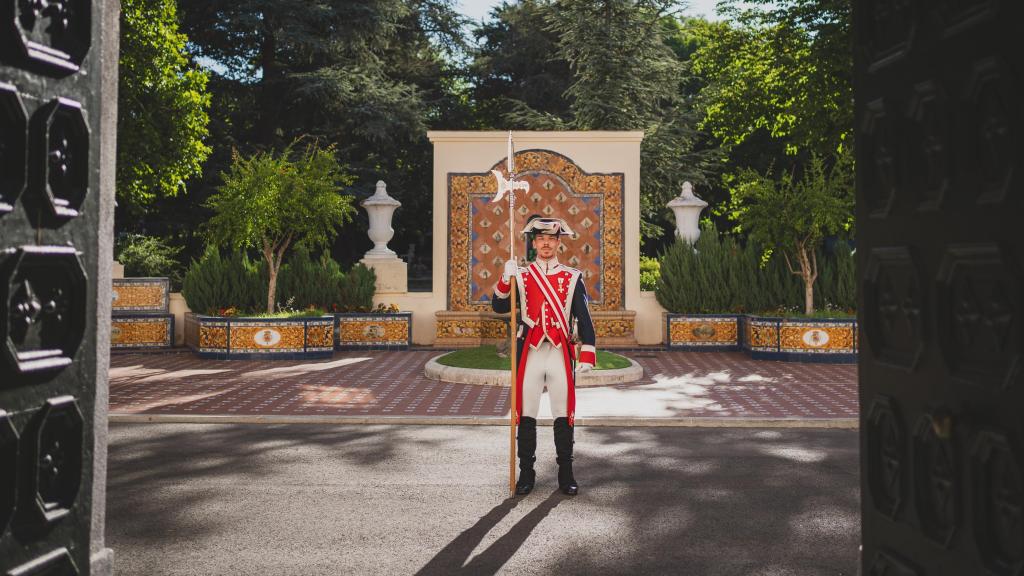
551, 226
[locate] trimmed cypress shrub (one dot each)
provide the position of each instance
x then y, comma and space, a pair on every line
355, 292
720, 275
304, 283
213, 283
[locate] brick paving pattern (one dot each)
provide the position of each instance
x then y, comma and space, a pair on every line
378, 383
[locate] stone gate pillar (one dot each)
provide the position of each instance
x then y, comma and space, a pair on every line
58, 119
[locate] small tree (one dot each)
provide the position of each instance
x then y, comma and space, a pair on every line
273, 202
795, 213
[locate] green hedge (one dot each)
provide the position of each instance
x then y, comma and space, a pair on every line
725, 276
215, 283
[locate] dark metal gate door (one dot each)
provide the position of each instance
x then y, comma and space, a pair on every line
940, 248
53, 230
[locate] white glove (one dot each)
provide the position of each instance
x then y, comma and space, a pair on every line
584, 367
511, 269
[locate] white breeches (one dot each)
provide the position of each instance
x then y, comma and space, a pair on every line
545, 368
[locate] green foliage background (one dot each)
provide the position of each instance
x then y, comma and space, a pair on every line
725, 276
760, 90
149, 256
162, 107
215, 283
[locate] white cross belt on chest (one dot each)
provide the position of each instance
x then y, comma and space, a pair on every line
550, 297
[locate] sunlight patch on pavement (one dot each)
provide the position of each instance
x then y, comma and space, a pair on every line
824, 520
795, 453
178, 400
299, 369
755, 378
335, 395
176, 374
667, 396
133, 371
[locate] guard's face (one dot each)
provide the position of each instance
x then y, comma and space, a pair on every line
546, 245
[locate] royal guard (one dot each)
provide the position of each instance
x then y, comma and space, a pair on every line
553, 318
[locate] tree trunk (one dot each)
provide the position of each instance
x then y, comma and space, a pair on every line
809, 273
271, 289
808, 296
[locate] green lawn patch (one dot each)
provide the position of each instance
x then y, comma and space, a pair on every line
486, 358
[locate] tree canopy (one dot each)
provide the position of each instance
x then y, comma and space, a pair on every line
598, 65
765, 89
794, 212
162, 107
272, 202
785, 69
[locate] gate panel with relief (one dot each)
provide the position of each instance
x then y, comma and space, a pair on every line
941, 253
50, 214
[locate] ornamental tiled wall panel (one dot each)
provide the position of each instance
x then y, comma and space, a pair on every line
149, 331
357, 331
824, 340
817, 338
592, 205
257, 337
614, 328
224, 338
459, 329
761, 335
703, 332
135, 295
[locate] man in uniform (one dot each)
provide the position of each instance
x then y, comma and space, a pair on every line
552, 307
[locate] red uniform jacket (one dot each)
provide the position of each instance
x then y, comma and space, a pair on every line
550, 299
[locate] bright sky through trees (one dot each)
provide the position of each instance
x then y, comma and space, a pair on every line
477, 9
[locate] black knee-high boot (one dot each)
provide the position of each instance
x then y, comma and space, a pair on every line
563, 450
526, 441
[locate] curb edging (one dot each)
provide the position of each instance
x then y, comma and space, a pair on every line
595, 421
434, 370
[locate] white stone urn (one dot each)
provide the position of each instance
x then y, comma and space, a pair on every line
381, 208
687, 208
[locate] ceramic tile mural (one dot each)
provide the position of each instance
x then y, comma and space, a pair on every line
826, 340
154, 331
249, 337
255, 337
591, 204
133, 295
374, 330
704, 332
817, 338
481, 328
762, 335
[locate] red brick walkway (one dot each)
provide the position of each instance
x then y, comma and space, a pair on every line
675, 384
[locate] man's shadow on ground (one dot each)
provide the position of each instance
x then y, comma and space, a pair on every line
452, 558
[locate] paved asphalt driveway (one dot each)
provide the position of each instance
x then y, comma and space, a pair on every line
303, 499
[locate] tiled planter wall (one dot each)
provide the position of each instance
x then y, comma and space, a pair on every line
813, 340
765, 338
270, 338
702, 331
139, 314
370, 330
141, 331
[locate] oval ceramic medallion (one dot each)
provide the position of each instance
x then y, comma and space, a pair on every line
374, 331
704, 331
267, 337
815, 337
114, 296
